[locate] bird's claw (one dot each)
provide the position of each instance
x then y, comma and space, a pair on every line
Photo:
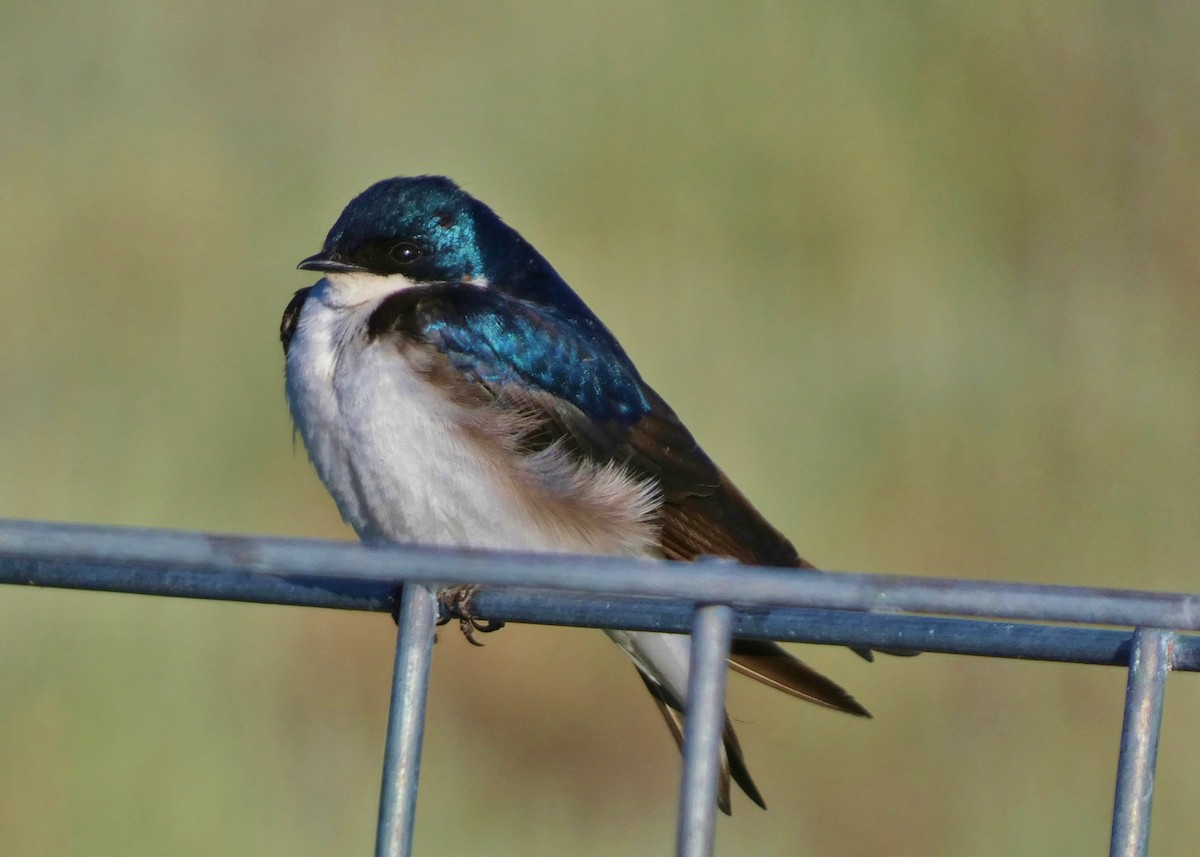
455, 603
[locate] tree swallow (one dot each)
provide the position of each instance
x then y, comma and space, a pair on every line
451, 389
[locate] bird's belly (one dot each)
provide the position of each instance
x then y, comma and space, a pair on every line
414, 473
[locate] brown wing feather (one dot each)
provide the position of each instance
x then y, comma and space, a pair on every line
769, 663
704, 514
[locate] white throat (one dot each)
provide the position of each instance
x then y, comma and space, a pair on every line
351, 289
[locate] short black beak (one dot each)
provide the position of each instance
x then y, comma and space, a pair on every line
328, 263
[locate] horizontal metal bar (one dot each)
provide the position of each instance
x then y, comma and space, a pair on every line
61, 554
988, 638
1148, 670
797, 624
703, 728
216, 583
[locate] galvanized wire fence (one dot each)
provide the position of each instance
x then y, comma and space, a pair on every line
710, 599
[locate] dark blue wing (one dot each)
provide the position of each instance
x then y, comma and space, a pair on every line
499, 340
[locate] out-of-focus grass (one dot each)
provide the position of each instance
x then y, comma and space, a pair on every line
923, 278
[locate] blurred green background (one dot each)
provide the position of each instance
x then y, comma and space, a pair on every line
923, 277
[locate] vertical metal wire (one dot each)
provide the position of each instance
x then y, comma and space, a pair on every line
704, 726
1149, 663
406, 721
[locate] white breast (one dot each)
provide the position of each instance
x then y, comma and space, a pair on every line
389, 446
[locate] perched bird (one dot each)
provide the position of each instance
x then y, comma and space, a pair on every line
451, 389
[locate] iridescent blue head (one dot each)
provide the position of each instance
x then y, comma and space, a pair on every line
428, 230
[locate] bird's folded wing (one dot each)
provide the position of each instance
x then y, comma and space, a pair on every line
573, 386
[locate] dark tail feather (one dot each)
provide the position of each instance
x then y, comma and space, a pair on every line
737, 765
769, 663
733, 763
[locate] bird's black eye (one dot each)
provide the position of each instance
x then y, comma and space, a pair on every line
404, 253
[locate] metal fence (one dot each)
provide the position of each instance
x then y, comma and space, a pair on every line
709, 599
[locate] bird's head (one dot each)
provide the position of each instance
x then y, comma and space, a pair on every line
425, 229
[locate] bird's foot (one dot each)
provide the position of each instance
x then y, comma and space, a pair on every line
455, 603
